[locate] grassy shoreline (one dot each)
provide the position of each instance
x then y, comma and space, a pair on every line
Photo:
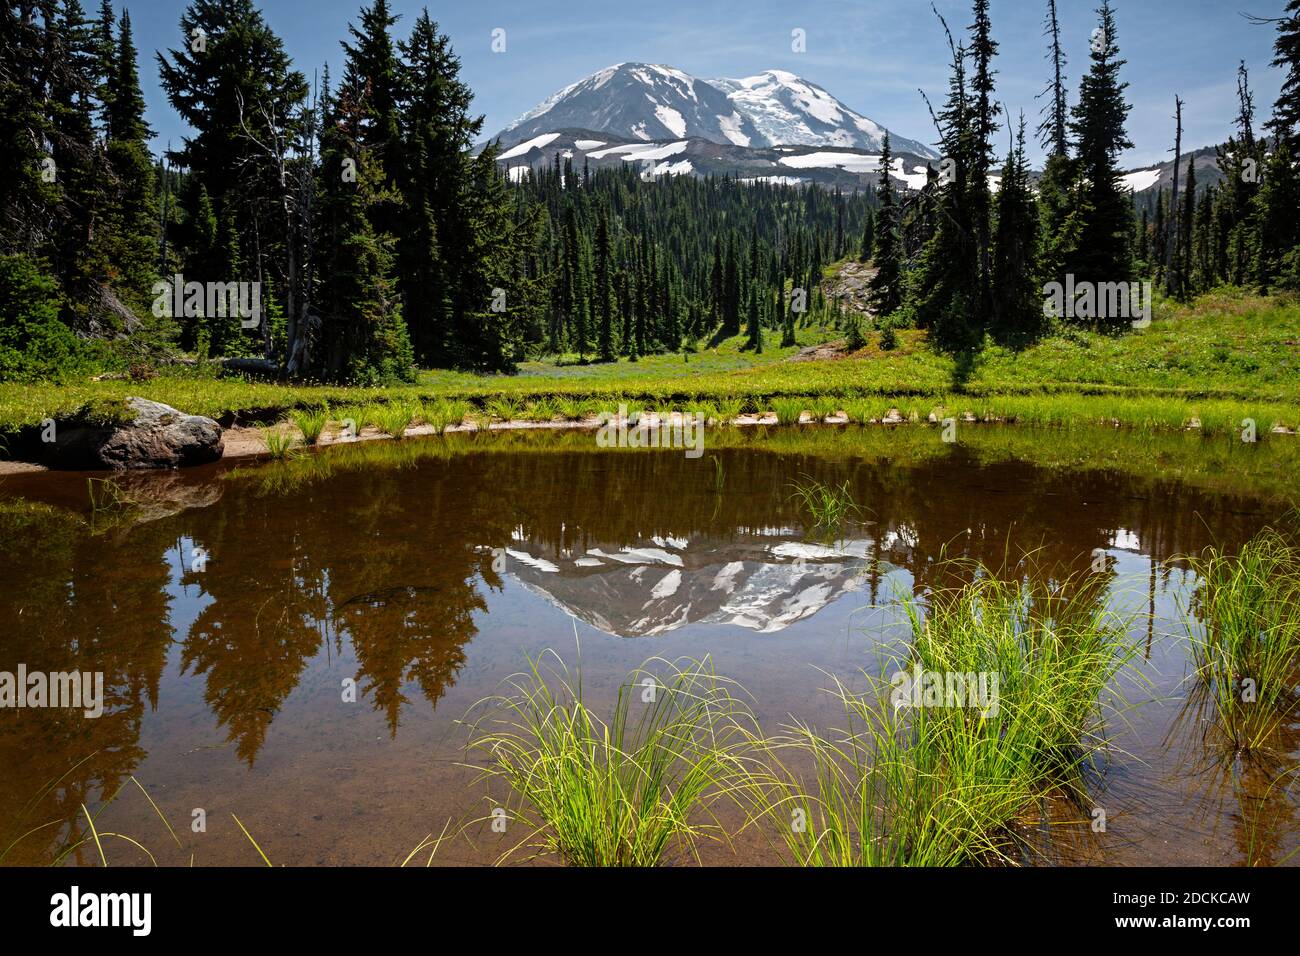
1217, 362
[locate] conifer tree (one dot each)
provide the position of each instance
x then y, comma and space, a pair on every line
1017, 304
132, 187
886, 287
731, 293
1285, 123
867, 245
948, 282
1103, 251
1276, 259
604, 292
365, 336
754, 340
1241, 160
984, 124
1184, 252
1057, 188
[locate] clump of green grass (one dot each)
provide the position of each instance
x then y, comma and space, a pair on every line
279, 444
830, 506
506, 409
543, 410
824, 406
481, 418
353, 416
391, 418
573, 408
708, 410
457, 409
437, 415
310, 422
789, 411
1244, 628
635, 790
906, 785
1055, 648
861, 411
729, 409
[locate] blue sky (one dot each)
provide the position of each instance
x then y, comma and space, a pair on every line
872, 54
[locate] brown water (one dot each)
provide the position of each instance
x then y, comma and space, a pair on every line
428, 577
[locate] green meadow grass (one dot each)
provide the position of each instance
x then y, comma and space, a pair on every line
1227, 358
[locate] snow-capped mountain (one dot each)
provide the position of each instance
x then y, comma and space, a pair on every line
654, 103
640, 101
790, 111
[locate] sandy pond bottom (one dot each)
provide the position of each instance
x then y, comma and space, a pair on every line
228, 609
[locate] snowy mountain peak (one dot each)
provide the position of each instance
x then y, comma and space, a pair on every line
647, 101
791, 111
651, 101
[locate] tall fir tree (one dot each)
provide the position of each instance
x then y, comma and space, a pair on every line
868, 242
604, 290
1057, 187
885, 290
948, 281
233, 83
1285, 122
134, 199
983, 49
1017, 302
1103, 252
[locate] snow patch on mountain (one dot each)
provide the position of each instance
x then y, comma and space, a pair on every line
1141, 179
641, 151
671, 118
730, 126
861, 163
853, 162
537, 142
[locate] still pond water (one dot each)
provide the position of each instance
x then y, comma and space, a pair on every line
228, 607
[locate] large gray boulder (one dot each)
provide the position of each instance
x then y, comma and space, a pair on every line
142, 434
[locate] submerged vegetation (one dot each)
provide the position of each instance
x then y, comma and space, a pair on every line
831, 506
